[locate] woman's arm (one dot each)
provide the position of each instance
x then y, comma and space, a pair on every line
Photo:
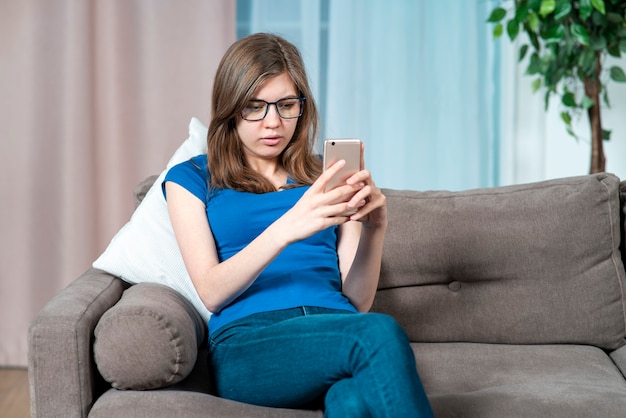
361, 280
218, 283
360, 246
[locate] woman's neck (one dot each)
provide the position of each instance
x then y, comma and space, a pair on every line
272, 171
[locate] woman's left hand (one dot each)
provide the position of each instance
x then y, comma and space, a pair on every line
370, 201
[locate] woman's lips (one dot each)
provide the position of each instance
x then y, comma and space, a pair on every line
271, 140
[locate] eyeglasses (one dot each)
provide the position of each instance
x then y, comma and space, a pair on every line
289, 108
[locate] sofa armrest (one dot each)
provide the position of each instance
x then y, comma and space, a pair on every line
62, 375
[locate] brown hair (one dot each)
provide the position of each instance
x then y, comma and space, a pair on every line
247, 64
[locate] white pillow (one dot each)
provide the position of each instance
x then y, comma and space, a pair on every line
145, 249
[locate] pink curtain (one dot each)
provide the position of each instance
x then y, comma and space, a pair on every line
95, 95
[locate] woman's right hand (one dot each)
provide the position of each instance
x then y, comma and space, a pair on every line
318, 209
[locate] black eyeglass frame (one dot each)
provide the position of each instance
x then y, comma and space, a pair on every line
302, 100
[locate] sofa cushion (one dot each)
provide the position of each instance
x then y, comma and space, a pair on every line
497, 380
149, 339
534, 263
145, 249
184, 404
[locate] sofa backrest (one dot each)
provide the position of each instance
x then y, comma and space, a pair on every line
537, 263
622, 196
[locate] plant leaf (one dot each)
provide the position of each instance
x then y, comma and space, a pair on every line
521, 13
536, 85
534, 66
584, 9
533, 40
605, 98
497, 15
598, 5
587, 102
533, 22
569, 100
614, 17
566, 118
614, 51
606, 134
622, 45
512, 29
617, 74
547, 7
497, 31
587, 61
598, 19
580, 33
598, 43
572, 134
522, 52
548, 63
563, 8
554, 34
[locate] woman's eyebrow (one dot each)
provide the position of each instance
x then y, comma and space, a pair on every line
293, 96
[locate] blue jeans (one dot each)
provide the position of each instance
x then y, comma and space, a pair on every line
360, 365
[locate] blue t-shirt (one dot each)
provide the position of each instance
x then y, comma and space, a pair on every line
305, 273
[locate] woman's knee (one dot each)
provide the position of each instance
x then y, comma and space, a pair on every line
344, 400
379, 336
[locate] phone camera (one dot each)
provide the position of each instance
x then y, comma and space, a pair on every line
332, 143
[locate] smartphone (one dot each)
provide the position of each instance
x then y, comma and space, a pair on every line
342, 149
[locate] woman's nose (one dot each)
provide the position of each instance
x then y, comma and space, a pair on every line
272, 118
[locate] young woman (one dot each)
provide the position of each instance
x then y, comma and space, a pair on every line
287, 278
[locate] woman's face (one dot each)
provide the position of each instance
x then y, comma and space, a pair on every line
264, 140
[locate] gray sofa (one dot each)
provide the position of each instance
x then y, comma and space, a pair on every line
513, 297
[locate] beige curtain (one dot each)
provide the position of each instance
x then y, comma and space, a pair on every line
95, 95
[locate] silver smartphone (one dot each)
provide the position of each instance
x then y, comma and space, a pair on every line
342, 149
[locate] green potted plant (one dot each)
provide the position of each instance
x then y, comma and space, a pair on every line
568, 42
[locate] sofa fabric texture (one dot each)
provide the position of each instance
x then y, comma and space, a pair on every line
512, 297
622, 193
149, 339
62, 378
527, 264
531, 380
